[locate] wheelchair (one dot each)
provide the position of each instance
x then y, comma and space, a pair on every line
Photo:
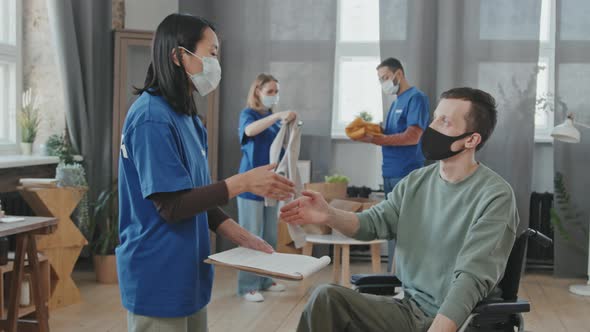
490, 315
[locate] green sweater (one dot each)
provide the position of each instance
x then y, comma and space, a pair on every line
452, 240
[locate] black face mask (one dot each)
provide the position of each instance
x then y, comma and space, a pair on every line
437, 146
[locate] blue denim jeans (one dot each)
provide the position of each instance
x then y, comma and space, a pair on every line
261, 221
388, 185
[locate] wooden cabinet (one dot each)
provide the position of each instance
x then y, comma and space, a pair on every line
132, 58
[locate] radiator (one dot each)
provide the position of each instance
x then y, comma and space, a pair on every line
539, 257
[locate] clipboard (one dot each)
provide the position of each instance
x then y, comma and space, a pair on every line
264, 273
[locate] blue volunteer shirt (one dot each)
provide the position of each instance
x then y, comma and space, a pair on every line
255, 150
160, 265
410, 109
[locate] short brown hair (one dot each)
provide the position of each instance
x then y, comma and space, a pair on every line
253, 100
483, 114
393, 64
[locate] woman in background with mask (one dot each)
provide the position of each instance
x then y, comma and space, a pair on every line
166, 201
259, 126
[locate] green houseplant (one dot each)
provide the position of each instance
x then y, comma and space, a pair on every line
366, 116
333, 187
103, 235
70, 173
59, 146
28, 120
565, 217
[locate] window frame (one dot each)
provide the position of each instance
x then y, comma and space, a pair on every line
547, 55
12, 54
347, 50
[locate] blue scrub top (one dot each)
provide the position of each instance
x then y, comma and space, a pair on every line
160, 265
255, 150
411, 108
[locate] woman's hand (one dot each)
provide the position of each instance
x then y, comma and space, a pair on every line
287, 116
238, 235
261, 181
254, 242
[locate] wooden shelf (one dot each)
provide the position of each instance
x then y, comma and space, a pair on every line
22, 311
10, 265
45, 285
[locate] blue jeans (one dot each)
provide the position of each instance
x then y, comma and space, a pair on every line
261, 221
388, 185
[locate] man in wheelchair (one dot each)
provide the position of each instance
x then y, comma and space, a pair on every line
454, 222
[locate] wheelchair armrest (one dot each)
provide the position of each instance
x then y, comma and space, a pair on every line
375, 279
502, 307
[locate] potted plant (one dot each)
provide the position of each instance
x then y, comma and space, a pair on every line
334, 186
366, 116
337, 184
28, 120
59, 146
104, 235
71, 173
566, 218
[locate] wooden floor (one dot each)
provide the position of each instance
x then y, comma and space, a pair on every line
554, 309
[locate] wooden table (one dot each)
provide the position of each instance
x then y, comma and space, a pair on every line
62, 247
341, 271
25, 232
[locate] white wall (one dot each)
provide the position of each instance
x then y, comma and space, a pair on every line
361, 162
147, 14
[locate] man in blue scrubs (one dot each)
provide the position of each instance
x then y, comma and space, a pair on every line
406, 120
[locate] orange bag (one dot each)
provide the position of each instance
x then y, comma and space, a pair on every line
359, 128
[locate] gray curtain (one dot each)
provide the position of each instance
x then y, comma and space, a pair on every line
572, 161
201, 8
83, 45
295, 41
491, 45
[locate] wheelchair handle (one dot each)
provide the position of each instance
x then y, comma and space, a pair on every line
541, 238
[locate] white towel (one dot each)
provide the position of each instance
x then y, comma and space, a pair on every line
289, 139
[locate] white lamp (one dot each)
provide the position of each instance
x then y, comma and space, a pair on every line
567, 132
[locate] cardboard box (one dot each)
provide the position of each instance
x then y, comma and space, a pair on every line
330, 191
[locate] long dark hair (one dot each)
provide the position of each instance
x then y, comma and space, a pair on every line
164, 78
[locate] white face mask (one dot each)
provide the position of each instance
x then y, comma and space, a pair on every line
389, 88
269, 101
207, 80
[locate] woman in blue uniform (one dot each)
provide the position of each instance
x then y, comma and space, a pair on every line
166, 201
258, 128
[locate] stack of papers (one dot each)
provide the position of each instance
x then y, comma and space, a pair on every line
282, 266
11, 219
38, 183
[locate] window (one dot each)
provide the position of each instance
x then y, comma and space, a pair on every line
544, 112
9, 73
356, 87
